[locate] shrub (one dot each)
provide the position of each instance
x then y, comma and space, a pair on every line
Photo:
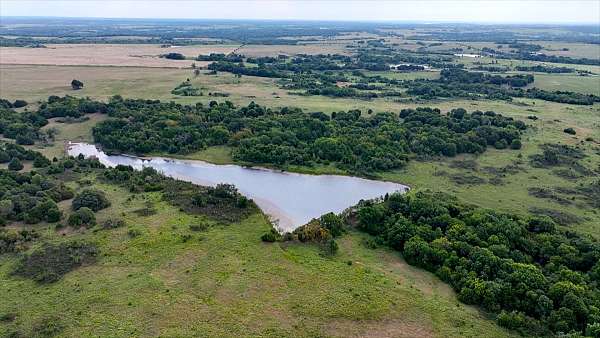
501, 144
515, 144
113, 223
333, 223
50, 262
271, 236
82, 217
199, 227
91, 198
570, 131
19, 103
511, 320
134, 232
15, 164
76, 84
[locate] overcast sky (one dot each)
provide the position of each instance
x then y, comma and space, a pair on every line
492, 11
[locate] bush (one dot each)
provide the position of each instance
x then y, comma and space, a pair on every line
113, 223
570, 131
15, 164
19, 103
333, 223
91, 198
82, 217
501, 144
199, 227
271, 236
515, 144
511, 320
76, 84
50, 262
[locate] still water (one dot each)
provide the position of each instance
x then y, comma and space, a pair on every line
290, 198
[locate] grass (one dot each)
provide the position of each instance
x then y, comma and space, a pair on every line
568, 82
225, 282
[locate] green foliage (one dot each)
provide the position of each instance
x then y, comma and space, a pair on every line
271, 236
15, 164
76, 84
289, 137
91, 198
527, 269
49, 262
82, 217
333, 223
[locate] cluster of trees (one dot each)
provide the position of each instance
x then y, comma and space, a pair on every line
220, 57
241, 69
538, 278
173, 56
460, 83
462, 76
186, 89
30, 197
544, 69
288, 136
14, 155
4, 103
24, 127
540, 57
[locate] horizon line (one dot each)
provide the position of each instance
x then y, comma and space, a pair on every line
433, 21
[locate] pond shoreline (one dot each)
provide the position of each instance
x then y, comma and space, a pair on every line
292, 198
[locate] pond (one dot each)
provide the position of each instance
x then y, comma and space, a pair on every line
290, 198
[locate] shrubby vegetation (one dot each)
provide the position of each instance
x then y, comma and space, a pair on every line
49, 262
538, 278
288, 136
222, 202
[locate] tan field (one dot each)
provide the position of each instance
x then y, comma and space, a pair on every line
107, 55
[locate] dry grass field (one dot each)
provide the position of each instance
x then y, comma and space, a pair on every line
107, 55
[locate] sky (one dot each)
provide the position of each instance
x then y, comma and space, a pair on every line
482, 11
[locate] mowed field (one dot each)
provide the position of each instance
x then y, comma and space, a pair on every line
107, 55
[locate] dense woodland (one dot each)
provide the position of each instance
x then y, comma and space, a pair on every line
349, 140
537, 277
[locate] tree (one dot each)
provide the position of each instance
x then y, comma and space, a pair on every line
76, 84
515, 144
15, 164
333, 223
19, 103
91, 198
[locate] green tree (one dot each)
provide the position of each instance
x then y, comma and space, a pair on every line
15, 164
76, 84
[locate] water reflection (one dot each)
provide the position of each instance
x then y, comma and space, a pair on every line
291, 198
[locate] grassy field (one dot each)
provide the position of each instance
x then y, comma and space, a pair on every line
566, 82
171, 282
